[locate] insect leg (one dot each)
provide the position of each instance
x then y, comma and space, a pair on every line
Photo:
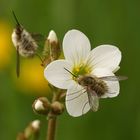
18, 63
75, 92
84, 107
77, 96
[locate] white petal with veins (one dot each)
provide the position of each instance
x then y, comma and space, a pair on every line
105, 56
113, 88
76, 46
77, 101
56, 74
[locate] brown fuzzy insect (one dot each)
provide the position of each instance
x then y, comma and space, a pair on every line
95, 87
24, 43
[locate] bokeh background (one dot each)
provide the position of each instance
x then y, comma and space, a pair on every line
114, 22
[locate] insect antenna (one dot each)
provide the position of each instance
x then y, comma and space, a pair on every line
17, 22
70, 72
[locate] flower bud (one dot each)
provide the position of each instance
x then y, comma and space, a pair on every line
35, 124
57, 108
41, 106
52, 37
51, 48
32, 130
21, 136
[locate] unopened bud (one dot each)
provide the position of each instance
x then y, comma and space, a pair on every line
51, 48
54, 45
57, 108
35, 124
32, 130
41, 106
52, 37
21, 136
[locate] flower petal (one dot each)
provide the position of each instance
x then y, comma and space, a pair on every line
76, 46
113, 86
102, 72
105, 56
77, 102
56, 74
113, 89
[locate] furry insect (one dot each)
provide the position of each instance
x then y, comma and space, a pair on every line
24, 43
95, 87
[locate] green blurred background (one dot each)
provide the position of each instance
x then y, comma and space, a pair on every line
104, 22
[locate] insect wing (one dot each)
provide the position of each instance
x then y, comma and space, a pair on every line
93, 100
18, 63
37, 37
114, 78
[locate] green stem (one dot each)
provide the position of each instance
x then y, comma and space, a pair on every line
52, 119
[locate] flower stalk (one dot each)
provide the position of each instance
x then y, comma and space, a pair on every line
51, 128
84, 76
57, 109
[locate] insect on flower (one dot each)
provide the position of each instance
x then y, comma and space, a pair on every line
95, 87
24, 42
86, 74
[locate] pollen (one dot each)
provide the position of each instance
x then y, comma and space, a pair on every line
77, 69
80, 69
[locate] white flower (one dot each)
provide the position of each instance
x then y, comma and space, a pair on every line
81, 60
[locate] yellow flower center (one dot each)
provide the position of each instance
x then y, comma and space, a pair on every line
81, 69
